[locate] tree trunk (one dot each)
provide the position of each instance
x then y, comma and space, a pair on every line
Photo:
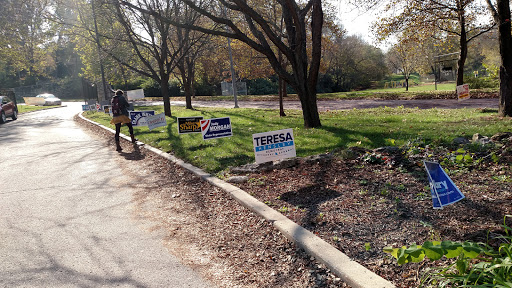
406, 83
463, 48
505, 38
309, 106
282, 94
164, 86
187, 86
186, 78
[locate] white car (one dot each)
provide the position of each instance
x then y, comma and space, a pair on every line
50, 99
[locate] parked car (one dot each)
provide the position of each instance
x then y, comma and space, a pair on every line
7, 109
50, 99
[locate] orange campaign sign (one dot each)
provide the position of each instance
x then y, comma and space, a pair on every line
463, 92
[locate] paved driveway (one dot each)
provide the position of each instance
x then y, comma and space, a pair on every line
345, 104
66, 212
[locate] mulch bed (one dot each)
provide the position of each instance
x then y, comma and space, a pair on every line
360, 208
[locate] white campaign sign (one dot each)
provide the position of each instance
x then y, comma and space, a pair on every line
275, 145
135, 94
463, 92
155, 121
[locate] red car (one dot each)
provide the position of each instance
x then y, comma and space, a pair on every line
7, 109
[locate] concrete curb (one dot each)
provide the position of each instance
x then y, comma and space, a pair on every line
351, 272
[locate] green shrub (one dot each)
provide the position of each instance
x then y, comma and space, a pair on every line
476, 264
262, 86
481, 82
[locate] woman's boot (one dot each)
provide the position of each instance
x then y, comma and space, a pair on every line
133, 138
118, 146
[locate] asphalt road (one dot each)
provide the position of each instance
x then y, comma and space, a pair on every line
346, 104
66, 212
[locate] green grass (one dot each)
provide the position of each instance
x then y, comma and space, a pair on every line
418, 88
414, 91
370, 128
28, 108
422, 91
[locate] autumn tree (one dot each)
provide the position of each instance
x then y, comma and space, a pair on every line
433, 18
405, 56
25, 38
264, 34
353, 63
149, 38
186, 45
501, 14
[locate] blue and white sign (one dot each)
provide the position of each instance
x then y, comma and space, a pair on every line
216, 128
139, 117
156, 121
275, 145
86, 107
444, 192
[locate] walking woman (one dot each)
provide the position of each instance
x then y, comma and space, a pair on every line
120, 113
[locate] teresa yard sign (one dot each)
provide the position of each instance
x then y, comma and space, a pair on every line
216, 128
463, 92
274, 145
189, 124
443, 190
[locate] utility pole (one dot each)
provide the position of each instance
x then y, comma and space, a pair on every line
98, 47
233, 75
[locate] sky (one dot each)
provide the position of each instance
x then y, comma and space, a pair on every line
357, 22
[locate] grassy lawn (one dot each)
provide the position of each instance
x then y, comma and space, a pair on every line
423, 90
416, 88
385, 92
28, 108
370, 128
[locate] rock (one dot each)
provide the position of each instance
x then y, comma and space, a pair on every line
252, 168
237, 179
501, 136
482, 140
477, 137
388, 150
460, 140
286, 163
321, 158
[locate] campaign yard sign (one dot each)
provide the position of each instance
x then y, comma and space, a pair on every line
154, 121
274, 145
106, 109
86, 107
139, 117
216, 128
98, 107
443, 190
135, 94
463, 92
189, 124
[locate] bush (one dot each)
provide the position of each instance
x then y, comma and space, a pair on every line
152, 88
477, 264
263, 86
481, 82
202, 88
